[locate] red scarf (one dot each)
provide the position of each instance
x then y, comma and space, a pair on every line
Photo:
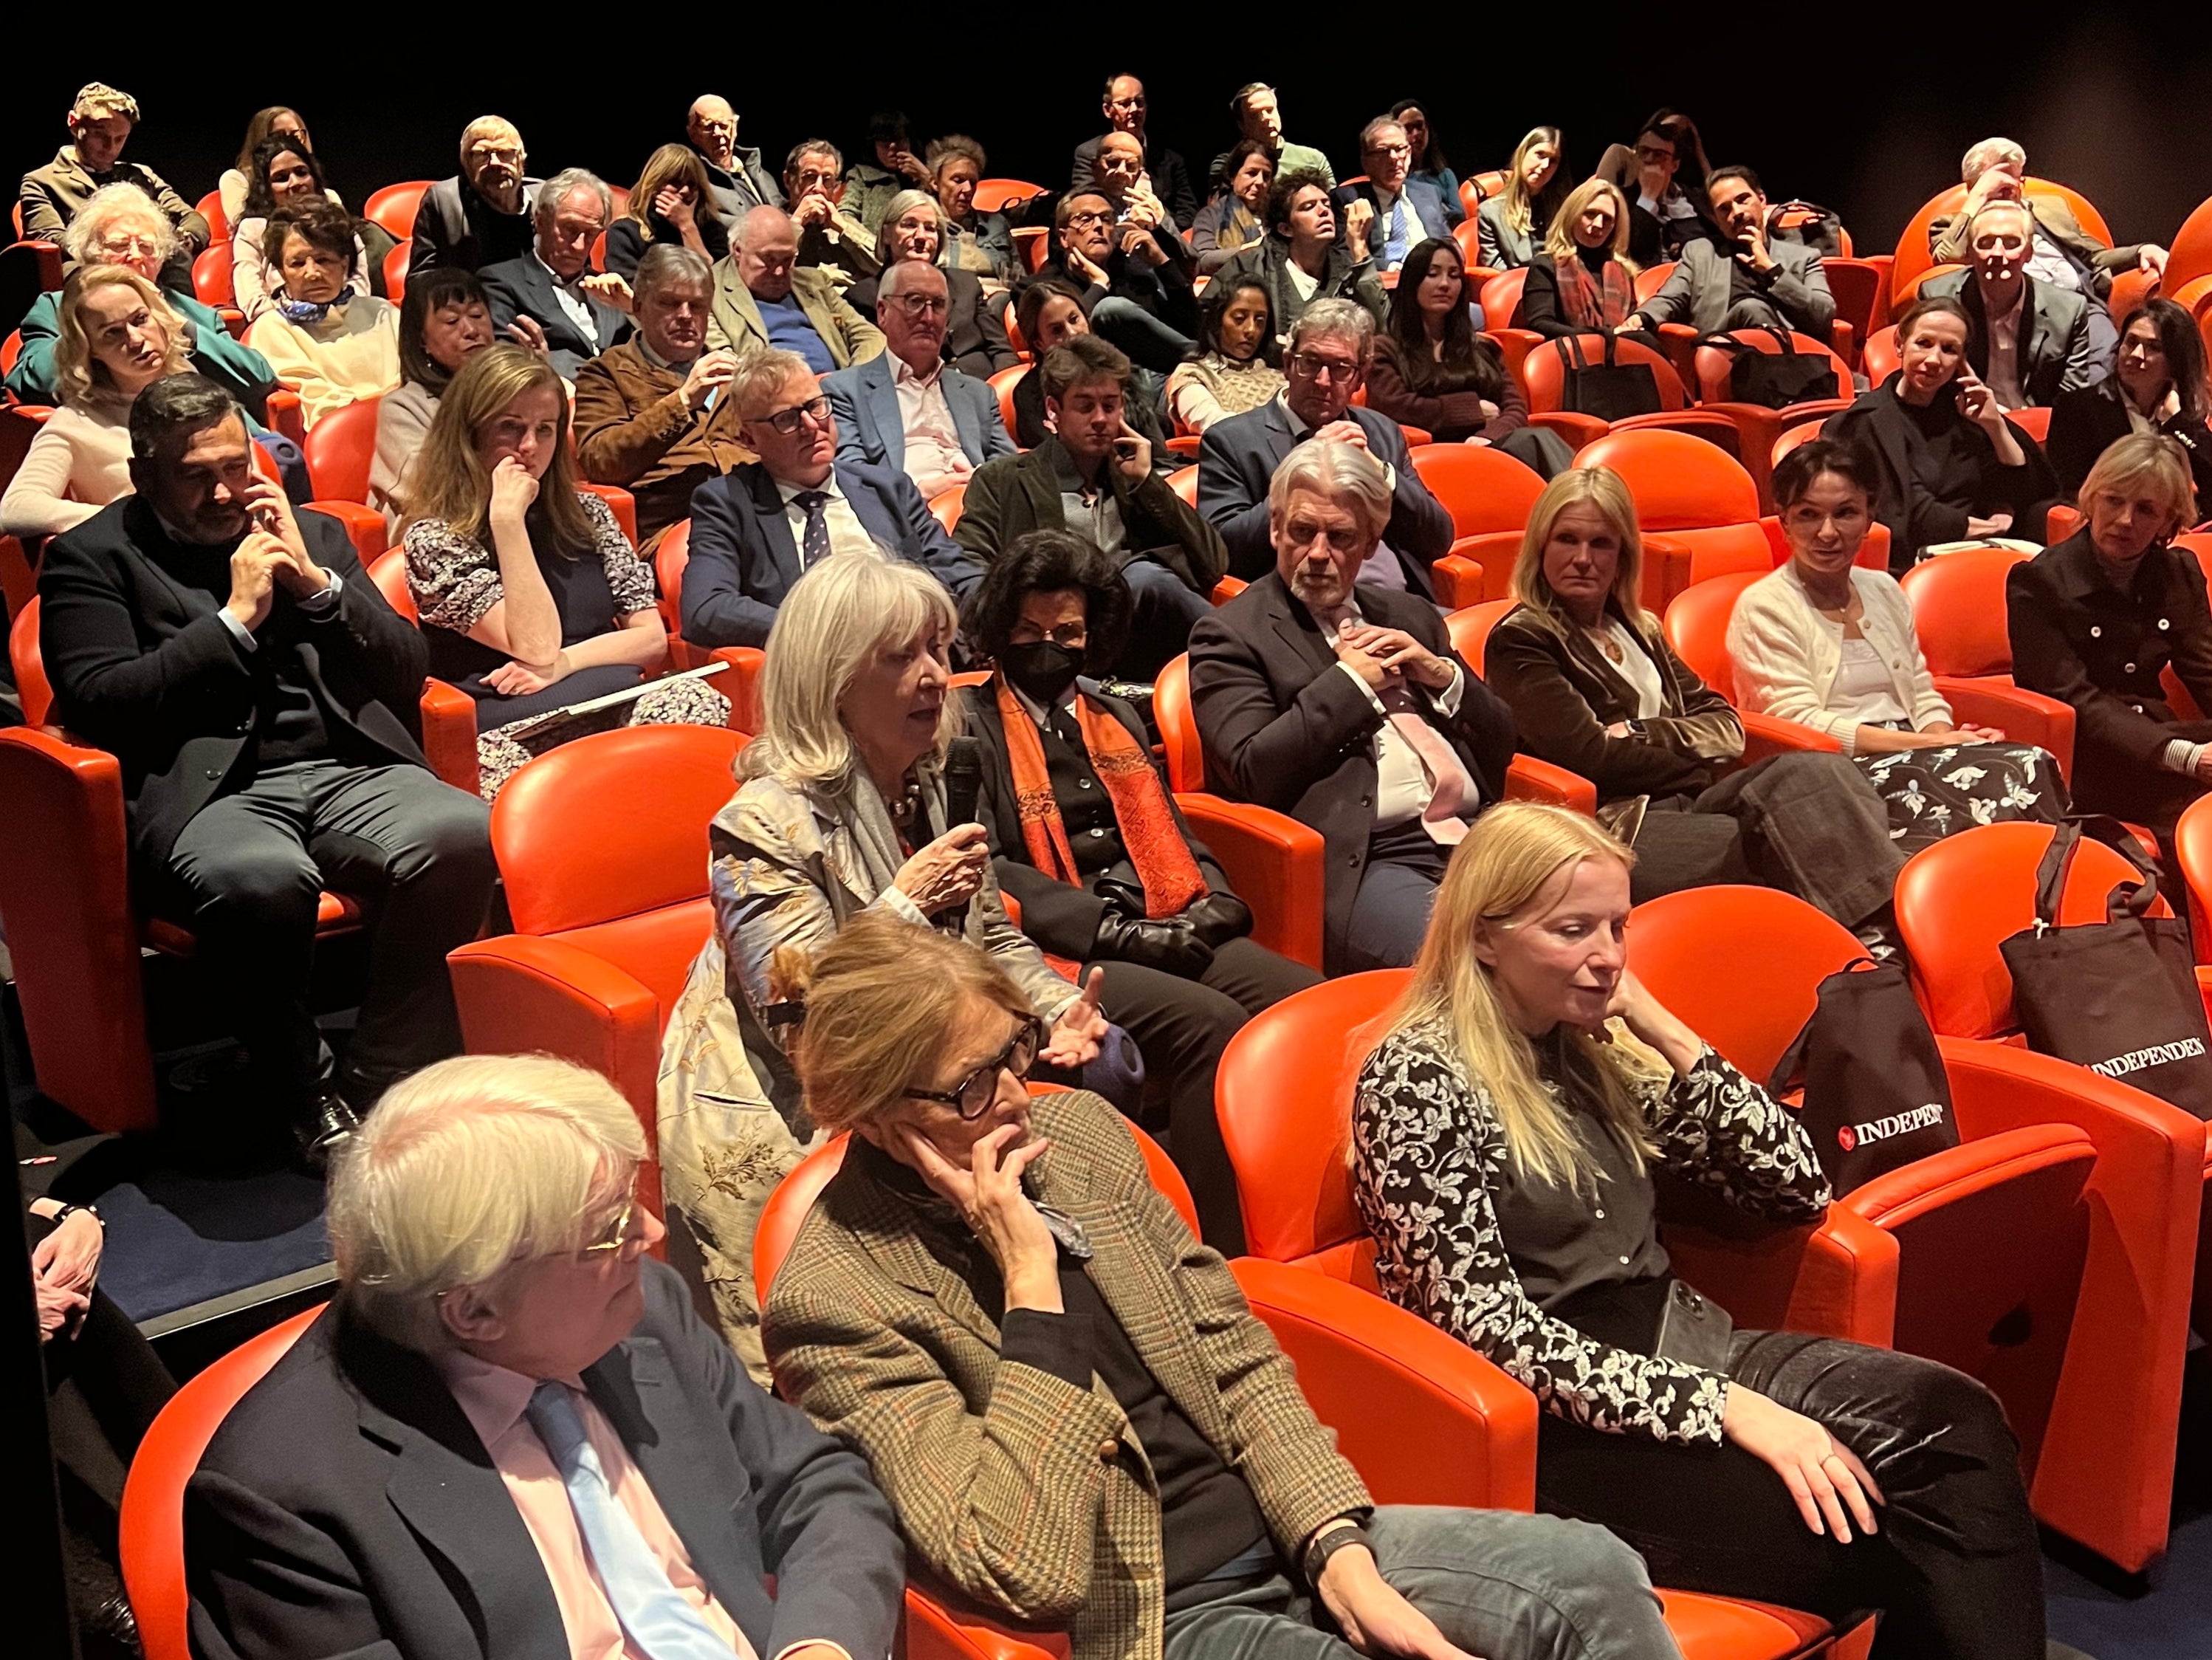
1594, 305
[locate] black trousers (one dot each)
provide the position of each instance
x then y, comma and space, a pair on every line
1181, 1026
2147, 795
246, 876
1955, 1565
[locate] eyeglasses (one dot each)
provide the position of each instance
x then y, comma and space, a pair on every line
625, 1239
808, 179
129, 247
815, 409
1306, 366
1088, 218
1394, 150
506, 153
921, 305
972, 1097
1654, 152
1136, 103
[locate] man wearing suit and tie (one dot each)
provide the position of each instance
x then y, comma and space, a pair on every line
509, 1436
763, 298
1329, 347
579, 312
909, 410
757, 529
1343, 705
1399, 213
1751, 282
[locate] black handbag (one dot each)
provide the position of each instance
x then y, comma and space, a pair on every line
2119, 996
1775, 381
1876, 1095
1610, 390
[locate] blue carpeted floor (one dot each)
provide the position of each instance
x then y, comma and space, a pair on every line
174, 1240
2174, 1622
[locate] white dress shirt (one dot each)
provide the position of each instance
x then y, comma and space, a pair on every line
934, 460
1402, 784
571, 299
2004, 376
847, 533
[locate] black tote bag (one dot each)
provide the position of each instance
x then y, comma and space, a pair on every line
1610, 390
2119, 996
1876, 1095
1775, 381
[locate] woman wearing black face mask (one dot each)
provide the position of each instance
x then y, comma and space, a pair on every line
1083, 833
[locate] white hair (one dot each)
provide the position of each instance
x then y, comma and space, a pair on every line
110, 202
466, 1169
1986, 155
1344, 473
565, 183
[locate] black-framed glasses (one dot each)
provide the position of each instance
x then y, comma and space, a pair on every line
972, 1096
1654, 154
785, 422
1088, 218
922, 305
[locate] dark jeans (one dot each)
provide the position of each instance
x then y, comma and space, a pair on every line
2145, 794
1500, 1585
1162, 610
1396, 892
245, 876
1955, 1565
1181, 1026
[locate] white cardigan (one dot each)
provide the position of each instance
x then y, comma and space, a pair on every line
1787, 653
78, 463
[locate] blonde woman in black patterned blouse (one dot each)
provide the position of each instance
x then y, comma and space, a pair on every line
1505, 1134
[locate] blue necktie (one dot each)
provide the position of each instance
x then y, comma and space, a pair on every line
814, 545
652, 1610
1394, 240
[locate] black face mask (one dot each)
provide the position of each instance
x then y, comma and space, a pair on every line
1044, 669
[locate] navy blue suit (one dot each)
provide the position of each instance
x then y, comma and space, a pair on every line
869, 428
524, 288
745, 557
1427, 201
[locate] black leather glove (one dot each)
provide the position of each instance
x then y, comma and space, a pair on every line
1218, 918
1171, 946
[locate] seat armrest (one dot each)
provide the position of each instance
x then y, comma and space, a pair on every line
1577, 428
1835, 1280
449, 734
1531, 780
941, 1626
739, 682
365, 528
2024, 716
1456, 578
1766, 734
285, 417
1227, 589
1275, 864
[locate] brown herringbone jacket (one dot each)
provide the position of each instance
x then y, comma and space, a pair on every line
1029, 1496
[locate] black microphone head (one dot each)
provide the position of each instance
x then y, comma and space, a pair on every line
963, 780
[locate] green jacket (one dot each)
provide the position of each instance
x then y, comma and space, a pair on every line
239, 369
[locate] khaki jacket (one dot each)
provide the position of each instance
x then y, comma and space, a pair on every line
735, 320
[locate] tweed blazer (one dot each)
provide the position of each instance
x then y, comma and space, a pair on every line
734, 319
1028, 1495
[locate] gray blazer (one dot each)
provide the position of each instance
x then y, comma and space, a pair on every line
1503, 248
1702, 288
2056, 351
869, 426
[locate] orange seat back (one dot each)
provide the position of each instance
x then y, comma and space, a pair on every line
32, 686
1003, 383
1803, 433
2192, 838
211, 276
1484, 490
1544, 371
1469, 627
1680, 482
669, 556
2191, 256
1501, 295
210, 208
390, 575
340, 448
945, 504
1914, 256
996, 195
1172, 711
1697, 624
1857, 285
394, 207
395, 269
2034, 421
1283, 1093
1715, 366
1652, 278
1959, 610
1881, 358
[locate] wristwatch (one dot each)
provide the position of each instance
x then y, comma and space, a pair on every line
67, 1211
1326, 1543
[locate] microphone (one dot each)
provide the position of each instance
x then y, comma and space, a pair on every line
963, 780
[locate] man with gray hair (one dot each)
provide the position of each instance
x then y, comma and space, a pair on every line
2028, 340
579, 312
734, 171
763, 297
480, 216
100, 120
653, 414
1394, 211
1343, 704
1330, 346
510, 1428
830, 237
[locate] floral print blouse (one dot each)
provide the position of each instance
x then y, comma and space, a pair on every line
1428, 1150
455, 579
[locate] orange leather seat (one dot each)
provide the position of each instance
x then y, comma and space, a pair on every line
1691, 494
396, 264
1759, 427
740, 682
1914, 256
1858, 286
1003, 383
1489, 495
945, 504
1183, 481
997, 195
211, 276
1543, 377
394, 207
341, 449
1882, 354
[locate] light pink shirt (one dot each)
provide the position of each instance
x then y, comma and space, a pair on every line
495, 1401
934, 460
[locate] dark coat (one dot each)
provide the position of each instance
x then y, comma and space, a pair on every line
142, 666
2089, 420
1019, 493
524, 288
346, 1505
1427, 202
1266, 262
1170, 177
1879, 423
1282, 727
1237, 457
1164, 290
744, 557
454, 226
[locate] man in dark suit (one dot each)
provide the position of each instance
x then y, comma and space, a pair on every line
1752, 281
757, 529
2029, 340
1328, 358
1344, 706
510, 1437
1135, 284
1164, 174
909, 410
480, 216
261, 697
1397, 213
581, 312
734, 173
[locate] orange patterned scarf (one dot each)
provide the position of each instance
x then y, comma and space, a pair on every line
1170, 876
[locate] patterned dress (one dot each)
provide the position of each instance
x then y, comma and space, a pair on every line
1933, 793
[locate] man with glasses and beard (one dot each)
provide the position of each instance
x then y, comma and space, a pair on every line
482, 216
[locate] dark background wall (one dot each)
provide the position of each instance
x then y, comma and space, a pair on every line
2114, 103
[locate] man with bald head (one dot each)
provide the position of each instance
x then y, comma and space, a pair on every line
734, 171
764, 297
1162, 171
480, 216
909, 409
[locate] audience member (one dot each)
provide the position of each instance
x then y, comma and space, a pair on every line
1663, 178
1085, 836
910, 410
261, 698
1343, 705
1431, 370
974, 328
980, 243
1430, 166
481, 215
1135, 282
238, 178
510, 1420
331, 345
444, 318
1121, 178
1259, 115
1330, 349
764, 299
1228, 371
760, 527
735, 176
1161, 173
1833, 647
840, 814
831, 235
1302, 260
1511, 226
284, 172
1952, 467
577, 312
2158, 385
1235, 218
2031, 341
1505, 1137
100, 120
1094, 476
672, 205
1581, 281
891, 167
2097, 621
1050, 312
117, 337
1390, 212
1743, 279
2065, 254
119, 225
1139, 1466
653, 414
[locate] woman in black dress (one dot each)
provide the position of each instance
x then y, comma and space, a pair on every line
2157, 384
671, 202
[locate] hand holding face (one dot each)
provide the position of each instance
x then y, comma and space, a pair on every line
512, 490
